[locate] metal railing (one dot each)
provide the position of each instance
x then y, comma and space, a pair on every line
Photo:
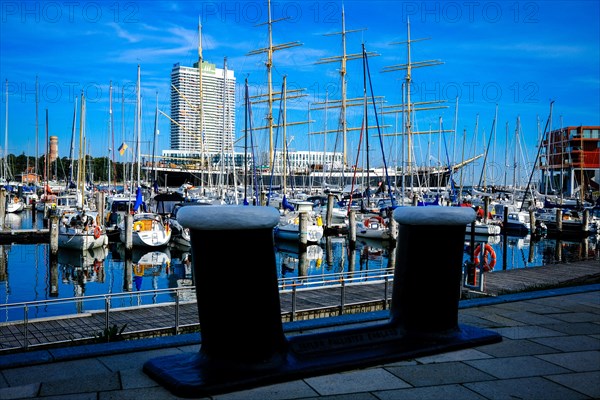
107, 306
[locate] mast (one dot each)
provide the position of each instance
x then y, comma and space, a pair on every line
506, 158
72, 149
46, 163
515, 156
224, 94
112, 138
37, 102
201, 108
154, 171
123, 138
246, 116
408, 107
81, 160
111, 144
366, 121
5, 173
343, 103
139, 128
269, 64
284, 142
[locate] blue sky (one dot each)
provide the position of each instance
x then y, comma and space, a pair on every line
513, 57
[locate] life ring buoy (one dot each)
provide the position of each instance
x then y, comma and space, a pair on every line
488, 263
374, 220
97, 232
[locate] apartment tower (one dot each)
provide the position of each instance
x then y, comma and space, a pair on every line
202, 124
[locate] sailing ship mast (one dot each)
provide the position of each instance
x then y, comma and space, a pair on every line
269, 64
343, 59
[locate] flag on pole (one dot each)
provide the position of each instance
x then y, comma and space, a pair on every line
122, 148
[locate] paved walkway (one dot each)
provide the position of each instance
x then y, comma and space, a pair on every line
550, 350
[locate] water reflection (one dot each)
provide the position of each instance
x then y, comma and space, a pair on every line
78, 268
295, 261
332, 259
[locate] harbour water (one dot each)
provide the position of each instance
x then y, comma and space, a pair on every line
28, 274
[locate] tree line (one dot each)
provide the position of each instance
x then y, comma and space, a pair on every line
97, 168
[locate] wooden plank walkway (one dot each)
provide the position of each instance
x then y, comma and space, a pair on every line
321, 302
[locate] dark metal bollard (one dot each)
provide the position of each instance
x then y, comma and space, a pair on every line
238, 297
243, 344
238, 301
428, 272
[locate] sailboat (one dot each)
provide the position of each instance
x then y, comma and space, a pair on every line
80, 228
148, 228
14, 204
369, 224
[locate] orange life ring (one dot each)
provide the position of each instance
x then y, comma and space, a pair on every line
488, 264
97, 232
375, 219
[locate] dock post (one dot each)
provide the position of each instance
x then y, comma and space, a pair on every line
329, 215
486, 208
2, 207
129, 232
352, 228
54, 234
559, 220
33, 211
100, 204
532, 226
393, 227
303, 229
585, 220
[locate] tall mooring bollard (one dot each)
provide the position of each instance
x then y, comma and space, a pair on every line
242, 339
427, 284
53, 234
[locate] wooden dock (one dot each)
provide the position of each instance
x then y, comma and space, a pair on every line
304, 304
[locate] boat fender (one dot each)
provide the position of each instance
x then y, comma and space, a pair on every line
97, 232
488, 263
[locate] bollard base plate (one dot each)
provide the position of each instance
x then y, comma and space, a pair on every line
192, 375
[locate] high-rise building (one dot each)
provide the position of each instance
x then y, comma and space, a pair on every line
206, 130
